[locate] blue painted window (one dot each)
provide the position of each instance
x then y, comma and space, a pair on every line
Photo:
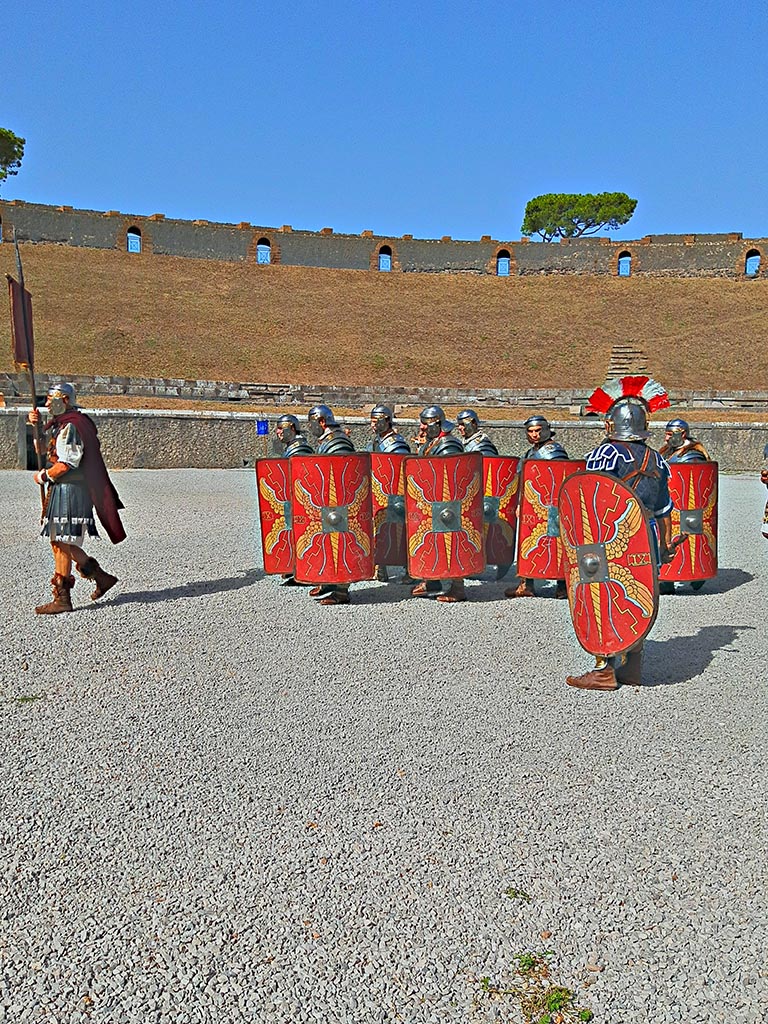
752, 263
385, 259
625, 264
263, 251
133, 240
502, 263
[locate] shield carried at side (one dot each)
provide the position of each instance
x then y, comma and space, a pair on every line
273, 483
332, 520
539, 552
693, 489
609, 563
388, 502
501, 481
444, 516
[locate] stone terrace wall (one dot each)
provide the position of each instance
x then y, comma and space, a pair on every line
653, 256
155, 439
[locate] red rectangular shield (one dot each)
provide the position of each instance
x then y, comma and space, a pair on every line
388, 502
539, 552
273, 481
444, 516
609, 563
22, 339
332, 518
693, 489
501, 482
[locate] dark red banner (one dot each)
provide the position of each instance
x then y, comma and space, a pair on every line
22, 339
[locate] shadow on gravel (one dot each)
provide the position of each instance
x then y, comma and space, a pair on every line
684, 657
726, 579
198, 588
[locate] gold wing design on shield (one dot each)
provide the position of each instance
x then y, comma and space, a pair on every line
626, 528
279, 525
708, 521
362, 538
540, 529
474, 536
425, 507
314, 516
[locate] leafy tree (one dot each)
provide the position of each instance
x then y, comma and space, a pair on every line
560, 215
11, 153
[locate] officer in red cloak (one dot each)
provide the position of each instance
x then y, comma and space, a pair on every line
77, 483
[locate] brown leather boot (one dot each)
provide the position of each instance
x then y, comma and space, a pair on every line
597, 679
454, 593
62, 601
91, 570
523, 589
629, 673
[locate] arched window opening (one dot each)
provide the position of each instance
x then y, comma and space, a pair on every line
502, 263
752, 263
385, 259
133, 240
263, 251
625, 264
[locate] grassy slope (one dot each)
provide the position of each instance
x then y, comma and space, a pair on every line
114, 313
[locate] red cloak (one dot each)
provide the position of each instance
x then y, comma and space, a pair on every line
105, 498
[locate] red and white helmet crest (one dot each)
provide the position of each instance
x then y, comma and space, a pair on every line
652, 393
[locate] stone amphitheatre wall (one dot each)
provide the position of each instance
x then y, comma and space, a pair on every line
710, 255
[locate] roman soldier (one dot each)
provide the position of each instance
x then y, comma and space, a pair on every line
331, 440
679, 446
288, 430
385, 437
542, 445
77, 482
625, 454
475, 439
439, 440
764, 480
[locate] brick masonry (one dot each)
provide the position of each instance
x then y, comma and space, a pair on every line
711, 255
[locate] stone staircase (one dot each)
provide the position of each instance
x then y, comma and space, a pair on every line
627, 359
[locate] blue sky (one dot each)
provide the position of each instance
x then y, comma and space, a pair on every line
428, 118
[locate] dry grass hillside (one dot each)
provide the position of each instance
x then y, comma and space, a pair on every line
114, 313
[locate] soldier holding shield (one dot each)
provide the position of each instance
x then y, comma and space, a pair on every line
633, 583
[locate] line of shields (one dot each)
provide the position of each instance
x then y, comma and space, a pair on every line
332, 519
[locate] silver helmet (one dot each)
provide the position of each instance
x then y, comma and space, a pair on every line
434, 420
540, 421
468, 422
627, 420
287, 427
381, 416
678, 431
57, 393
315, 414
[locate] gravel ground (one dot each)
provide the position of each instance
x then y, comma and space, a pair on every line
223, 802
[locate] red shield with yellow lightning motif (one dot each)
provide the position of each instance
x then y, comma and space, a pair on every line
609, 563
332, 522
273, 480
693, 489
444, 516
500, 493
539, 554
388, 501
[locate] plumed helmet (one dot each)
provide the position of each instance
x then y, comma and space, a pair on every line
540, 421
288, 420
678, 425
322, 412
627, 420
63, 390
